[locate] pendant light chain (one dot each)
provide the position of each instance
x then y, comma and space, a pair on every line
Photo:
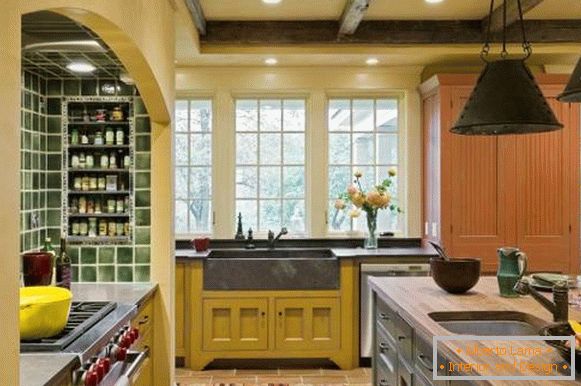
526, 45
504, 52
486, 47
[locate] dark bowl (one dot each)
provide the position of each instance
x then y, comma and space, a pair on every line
455, 276
562, 329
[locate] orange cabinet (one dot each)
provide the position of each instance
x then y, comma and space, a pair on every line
481, 193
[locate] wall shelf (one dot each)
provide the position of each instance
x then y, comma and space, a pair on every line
99, 147
94, 170
99, 215
99, 192
93, 123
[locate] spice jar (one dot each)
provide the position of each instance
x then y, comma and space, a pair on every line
119, 136
84, 138
90, 161
111, 205
112, 161
109, 136
83, 228
126, 228
127, 161
120, 205
98, 206
117, 114
82, 204
74, 206
102, 227
104, 161
90, 206
75, 161
74, 137
101, 183
93, 183
77, 183
119, 228
75, 229
112, 228
82, 161
85, 184
101, 115
92, 227
99, 138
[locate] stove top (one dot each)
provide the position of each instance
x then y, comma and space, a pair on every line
82, 317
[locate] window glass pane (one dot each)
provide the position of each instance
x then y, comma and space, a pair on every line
249, 210
339, 179
363, 115
363, 149
193, 172
387, 115
246, 146
200, 116
181, 115
181, 150
247, 115
293, 216
338, 219
270, 214
294, 115
294, 182
246, 178
339, 115
270, 182
270, 151
201, 149
270, 115
387, 149
294, 149
339, 149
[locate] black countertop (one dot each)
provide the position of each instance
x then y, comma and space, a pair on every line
44, 369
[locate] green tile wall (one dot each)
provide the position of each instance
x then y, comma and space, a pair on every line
41, 180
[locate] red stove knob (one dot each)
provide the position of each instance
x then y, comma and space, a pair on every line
106, 363
135, 332
122, 354
91, 378
100, 369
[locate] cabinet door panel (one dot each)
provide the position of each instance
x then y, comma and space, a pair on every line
180, 310
479, 204
307, 323
235, 324
543, 189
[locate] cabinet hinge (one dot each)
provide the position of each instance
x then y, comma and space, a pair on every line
570, 228
326, 218
451, 228
213, 218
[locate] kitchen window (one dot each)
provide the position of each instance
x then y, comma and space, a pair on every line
193, 171
363, 134
270, 163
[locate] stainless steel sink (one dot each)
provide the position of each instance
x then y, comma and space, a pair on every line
489, 323
285, 253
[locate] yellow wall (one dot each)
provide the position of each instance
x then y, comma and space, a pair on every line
316, 84
141, 32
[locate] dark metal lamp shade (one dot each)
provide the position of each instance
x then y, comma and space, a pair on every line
572, 92
506, 100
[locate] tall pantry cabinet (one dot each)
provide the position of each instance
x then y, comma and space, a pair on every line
485, 192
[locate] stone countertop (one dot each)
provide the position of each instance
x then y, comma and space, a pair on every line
428, 297
184, 255
44, 369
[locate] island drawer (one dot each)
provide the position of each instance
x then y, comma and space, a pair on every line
404, 338
385, 317
405, 376
385, 352
423, 360
384, 374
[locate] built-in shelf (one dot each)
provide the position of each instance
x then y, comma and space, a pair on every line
98, 239
98, 147
99, 215
95, 170
97, 192
94, 123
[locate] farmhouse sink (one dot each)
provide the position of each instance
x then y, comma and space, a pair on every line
489, 323
276, 269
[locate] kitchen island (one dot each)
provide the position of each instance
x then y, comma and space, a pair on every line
54, 369
403, 307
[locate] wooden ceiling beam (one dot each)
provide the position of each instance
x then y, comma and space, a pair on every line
512, 14
197, 15
352, 16
386, 32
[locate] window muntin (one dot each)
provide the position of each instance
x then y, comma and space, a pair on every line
363, 135
270, 163
193, 166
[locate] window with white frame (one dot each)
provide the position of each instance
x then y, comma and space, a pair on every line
270, 163
363, 136
193, 171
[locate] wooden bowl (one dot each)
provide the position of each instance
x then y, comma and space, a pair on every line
455, 276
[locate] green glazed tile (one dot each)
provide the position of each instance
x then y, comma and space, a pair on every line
88, 274
54, 234
54, 143
124, 255
28, 80
106, 273
54, 125
142, 180
142, 273
143, 142
143, 161
36, 182
36, 104
88, 255
75, 274
53, 106
88, 87
27, 101
142, 125
142, 217
125, 273
72, 87
54, 199
142, 255
143, 198
139, 107
53, 180
54, 162
36, 122
124, 89
53, 217
106, 255
42, 86
73, 254
54, 87
142, 236
36, 142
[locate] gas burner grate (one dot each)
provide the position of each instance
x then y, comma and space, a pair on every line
83, 316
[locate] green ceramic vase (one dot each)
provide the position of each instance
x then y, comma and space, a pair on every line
512, 265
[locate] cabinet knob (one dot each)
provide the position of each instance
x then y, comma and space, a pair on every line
280, 313
383, 382
383, 347
400, 338
263, 313
383, 316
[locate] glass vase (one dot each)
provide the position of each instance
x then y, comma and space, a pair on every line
371, 239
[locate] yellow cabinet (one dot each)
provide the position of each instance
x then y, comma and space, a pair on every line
307, 323
235, 324
180, 326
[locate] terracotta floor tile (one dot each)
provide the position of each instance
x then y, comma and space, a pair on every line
300, 372
279, 380
360, 372
234, 380
213, 373
325, 380
253, 372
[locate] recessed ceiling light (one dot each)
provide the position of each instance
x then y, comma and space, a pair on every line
372, 61
81, 67
433, 1
272, 2
270, 61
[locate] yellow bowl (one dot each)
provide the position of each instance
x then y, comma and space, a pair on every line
44, 311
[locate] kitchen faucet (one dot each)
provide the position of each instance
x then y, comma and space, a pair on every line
272, 240
559, 307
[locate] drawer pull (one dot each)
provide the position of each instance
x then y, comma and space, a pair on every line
425, 362
383, 382
145, 320
400, 338
383, 347
383, 316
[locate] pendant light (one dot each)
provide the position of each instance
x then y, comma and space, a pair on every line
506, 98
572, 92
